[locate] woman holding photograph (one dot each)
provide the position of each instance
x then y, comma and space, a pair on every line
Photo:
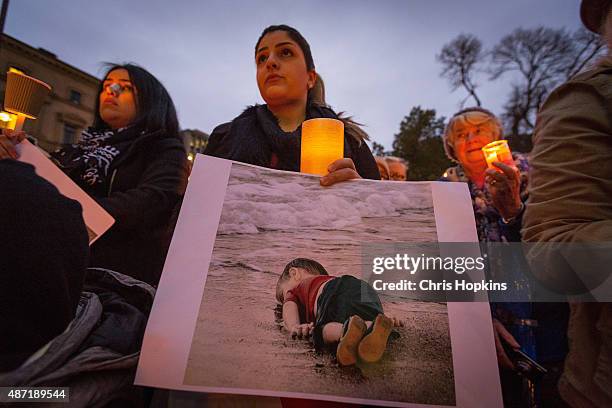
132, 161
269, 135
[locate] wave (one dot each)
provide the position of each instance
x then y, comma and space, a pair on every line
292, 202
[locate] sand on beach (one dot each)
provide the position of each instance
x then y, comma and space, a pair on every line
238, 344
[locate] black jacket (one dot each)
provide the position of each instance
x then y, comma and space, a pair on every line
144, 188
254, 137
97, 354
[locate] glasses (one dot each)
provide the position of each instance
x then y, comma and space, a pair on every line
117, 89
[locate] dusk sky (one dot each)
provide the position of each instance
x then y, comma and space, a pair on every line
377, 58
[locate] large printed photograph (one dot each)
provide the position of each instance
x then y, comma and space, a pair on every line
265, 293
270, 219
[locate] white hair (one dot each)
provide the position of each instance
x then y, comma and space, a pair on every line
395, 159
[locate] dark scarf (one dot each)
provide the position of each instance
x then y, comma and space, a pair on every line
92, 157
255, 137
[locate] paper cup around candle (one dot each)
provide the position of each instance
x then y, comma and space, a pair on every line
24, 95
322, 144
498, 151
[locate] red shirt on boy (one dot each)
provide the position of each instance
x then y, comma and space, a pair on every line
305, 295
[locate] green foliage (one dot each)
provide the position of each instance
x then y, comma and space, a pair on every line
378, 149
420, 142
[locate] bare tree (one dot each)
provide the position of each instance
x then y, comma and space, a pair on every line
459, 59
543, 58
587, 47
378, 149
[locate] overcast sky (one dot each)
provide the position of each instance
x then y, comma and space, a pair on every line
377, 57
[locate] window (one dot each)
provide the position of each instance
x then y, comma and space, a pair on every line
75, 97
70, 133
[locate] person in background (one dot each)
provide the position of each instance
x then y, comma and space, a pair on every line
498, 196
398, 168
132, 161
498, 199
61, 324
571, 202
383, 168
269, 135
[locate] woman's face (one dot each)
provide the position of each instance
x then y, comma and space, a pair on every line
118, 102
282, 76
470, 136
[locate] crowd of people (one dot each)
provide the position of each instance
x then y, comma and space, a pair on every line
67, 308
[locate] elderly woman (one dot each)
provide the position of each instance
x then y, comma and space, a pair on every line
498, 195
269, 135
571, 201
498, 198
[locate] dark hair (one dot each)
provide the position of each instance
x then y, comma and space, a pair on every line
316, 95
295, 36
155, 109
313, 267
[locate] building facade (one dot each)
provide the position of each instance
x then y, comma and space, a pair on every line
195, 141
70, 106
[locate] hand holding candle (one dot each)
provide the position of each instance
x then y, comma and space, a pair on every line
9, 139
24, 96
322, 144
323, 151
498, 151
504, 184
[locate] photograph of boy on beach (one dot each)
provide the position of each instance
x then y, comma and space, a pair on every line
240, 342
340, 311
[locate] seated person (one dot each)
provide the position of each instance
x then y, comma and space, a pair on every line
334, 310
66, 326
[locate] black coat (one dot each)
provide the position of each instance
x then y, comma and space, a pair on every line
254, 137
143, 189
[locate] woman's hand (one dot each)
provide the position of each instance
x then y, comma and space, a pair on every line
340, 170
8, 140
302, 331
505, 188
501, 334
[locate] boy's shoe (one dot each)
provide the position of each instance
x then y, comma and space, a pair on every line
354, 330
374, 343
